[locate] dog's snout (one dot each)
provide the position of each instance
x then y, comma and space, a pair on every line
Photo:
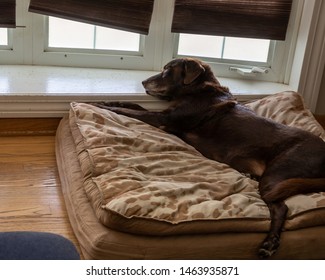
146, 84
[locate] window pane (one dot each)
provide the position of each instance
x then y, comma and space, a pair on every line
71, 34
224, 47
112, 39
3, 36
246, 49
200, 45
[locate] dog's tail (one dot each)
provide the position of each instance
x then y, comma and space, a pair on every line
291, 187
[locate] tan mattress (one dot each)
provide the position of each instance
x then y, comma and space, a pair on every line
135, 192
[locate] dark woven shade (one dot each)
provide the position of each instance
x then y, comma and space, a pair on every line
128, 15
8, 13
261, 19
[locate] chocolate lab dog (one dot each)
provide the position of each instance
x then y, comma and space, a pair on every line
287, 161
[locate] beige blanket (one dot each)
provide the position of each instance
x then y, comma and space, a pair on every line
140, 179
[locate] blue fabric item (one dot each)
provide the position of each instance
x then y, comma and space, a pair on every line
36, 246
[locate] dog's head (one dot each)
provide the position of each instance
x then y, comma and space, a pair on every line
183, 76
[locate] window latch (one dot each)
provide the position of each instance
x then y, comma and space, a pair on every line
253, 71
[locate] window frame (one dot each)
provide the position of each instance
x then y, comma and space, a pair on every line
147, 61
13, 53
44, 55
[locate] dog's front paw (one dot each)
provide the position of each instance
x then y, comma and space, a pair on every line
100, 104
107, 104
269, 247
117, 104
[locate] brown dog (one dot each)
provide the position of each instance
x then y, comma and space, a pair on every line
287, 161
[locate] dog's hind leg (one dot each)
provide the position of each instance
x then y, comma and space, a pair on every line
278, 210
278, 213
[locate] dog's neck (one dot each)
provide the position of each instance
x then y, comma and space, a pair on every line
205, 84
211, 86
212, 91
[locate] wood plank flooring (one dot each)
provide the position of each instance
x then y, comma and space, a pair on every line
30, 192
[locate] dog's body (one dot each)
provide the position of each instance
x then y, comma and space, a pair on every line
287, 161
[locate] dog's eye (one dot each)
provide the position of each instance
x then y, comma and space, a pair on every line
166, 73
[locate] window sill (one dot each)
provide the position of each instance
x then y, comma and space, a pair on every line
44, 91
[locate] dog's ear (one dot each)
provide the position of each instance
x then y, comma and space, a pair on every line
193, 69
225, 105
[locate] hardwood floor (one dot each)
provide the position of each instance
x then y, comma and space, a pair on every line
30, 193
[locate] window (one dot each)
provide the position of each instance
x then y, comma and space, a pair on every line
78, 35
232, 39
230, 48
48, 40
3, 37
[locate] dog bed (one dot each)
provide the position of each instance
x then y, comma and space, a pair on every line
133, 191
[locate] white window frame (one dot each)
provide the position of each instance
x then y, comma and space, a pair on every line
43, 55
148, 59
